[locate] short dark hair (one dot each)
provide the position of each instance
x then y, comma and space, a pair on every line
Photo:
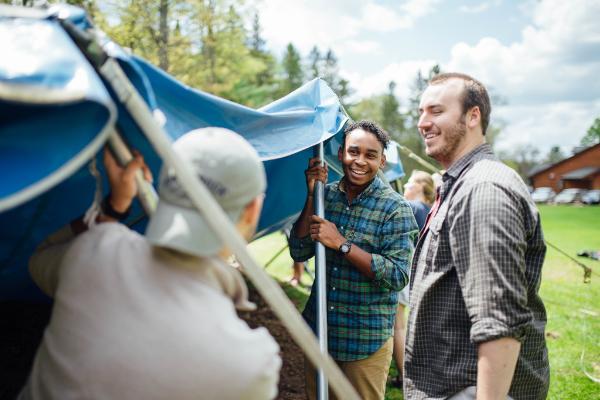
474, 94
368, 126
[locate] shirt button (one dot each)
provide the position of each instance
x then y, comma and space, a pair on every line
331, 308
347, 208
333, 288
335, 268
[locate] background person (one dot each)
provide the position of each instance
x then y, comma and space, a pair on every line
367, 231
419, 191
297, 266
154, 317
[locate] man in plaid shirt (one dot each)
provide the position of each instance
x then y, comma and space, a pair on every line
476, 323
368, 232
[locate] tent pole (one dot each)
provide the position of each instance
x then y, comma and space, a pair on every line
418, 159
224, 229
321, 282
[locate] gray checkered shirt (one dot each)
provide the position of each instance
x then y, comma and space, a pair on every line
475, 277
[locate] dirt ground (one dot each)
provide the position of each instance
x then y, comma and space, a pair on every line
291, 380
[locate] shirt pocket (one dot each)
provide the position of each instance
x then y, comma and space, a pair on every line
438, 257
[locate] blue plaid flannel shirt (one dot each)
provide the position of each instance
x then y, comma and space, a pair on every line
361, 311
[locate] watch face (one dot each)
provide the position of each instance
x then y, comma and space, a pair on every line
345, 248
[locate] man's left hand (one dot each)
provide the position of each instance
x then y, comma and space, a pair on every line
325, 232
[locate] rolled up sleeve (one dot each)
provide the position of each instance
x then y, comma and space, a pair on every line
490, 235
301, 249
391, 263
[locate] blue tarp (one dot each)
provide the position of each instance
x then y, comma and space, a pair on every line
56, 112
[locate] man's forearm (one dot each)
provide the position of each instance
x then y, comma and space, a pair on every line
302, 226
361, 260
496, 364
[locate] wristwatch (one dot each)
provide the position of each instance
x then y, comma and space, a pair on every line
345, 247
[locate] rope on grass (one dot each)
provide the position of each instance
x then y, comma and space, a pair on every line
585, 372
587, 314
587, 271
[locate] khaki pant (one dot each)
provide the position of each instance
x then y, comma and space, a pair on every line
368, 376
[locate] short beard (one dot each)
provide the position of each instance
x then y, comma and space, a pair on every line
454, 137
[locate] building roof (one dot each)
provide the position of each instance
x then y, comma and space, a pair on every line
539, 168
581, 173
545, 167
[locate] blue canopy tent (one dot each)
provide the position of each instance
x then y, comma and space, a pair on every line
57, 113
59, 106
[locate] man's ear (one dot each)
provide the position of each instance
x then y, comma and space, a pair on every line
474, 117
383, 160
340, 153
252, 210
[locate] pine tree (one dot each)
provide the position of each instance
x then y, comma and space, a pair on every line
392, 120
293, 76
314, 63
331, 74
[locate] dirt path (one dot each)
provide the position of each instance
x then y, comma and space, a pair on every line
291, 380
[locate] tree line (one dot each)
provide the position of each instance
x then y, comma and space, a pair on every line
217, 46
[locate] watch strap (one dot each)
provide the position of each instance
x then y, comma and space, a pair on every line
109, 211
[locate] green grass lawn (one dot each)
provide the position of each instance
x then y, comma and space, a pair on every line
573, 307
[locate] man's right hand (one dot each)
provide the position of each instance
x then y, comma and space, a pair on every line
315, 172
122, 179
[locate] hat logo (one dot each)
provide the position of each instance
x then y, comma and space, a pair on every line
217, 188
172, 185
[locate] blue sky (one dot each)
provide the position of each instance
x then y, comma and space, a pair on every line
542, 56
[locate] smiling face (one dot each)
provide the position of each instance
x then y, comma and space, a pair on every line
361, 158
448, 133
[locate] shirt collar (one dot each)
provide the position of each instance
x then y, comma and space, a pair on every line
482, 151
373, 186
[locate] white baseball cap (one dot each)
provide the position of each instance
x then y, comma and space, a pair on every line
229, 167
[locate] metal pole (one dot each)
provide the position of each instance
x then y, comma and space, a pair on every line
321, 281
418, 159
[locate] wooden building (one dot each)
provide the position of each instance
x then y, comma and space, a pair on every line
581, 170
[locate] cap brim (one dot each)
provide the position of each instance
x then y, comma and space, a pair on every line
184, 229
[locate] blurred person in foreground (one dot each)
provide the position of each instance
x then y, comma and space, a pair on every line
419, 191
154, 317
476, 322
368, 233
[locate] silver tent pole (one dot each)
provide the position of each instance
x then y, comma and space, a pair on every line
321, 281
225, 230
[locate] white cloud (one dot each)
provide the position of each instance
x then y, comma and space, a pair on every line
403, 74
561, 123
419, 8
359, 47
306, 25
331, 24
550, 76
479, 8
379, 18
557, 58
